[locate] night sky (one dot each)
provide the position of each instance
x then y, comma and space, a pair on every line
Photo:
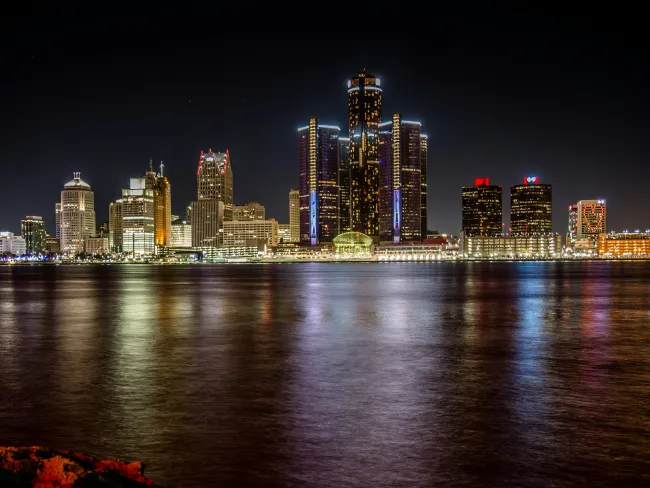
500, 94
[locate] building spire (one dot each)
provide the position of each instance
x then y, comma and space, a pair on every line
150, 164
162, 166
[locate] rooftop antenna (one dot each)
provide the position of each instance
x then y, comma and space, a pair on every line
162, 166
150, 164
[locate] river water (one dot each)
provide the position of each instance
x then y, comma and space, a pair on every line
335, 375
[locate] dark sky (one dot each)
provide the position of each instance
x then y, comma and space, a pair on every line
502, 94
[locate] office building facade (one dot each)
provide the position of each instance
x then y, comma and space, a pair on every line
249, 211
624, 244
115, 226
250, 232
531, 206
294, 214
162, 198
591, 219
12, 244
138, 219
284, 233
318, 149
57, 217
77, 216
97, 245
364, 117
572, 230
207, 223
214, 180
34, 233
400, 181
181, 233
424, 189
527, 246
482, 209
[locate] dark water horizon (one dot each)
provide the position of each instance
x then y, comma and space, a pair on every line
526, 374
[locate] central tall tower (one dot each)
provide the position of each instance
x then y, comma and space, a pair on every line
364, 116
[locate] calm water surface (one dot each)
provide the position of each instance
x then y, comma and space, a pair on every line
335, 375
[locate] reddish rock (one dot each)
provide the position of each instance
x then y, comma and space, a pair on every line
40, 467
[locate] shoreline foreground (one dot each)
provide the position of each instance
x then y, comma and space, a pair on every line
42, 467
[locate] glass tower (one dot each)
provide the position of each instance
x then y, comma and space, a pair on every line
531, 206
364, 116
482, 209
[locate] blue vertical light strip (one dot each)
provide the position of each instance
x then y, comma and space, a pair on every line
397, 215
313, 218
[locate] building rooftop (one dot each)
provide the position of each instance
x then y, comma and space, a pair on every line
77, 182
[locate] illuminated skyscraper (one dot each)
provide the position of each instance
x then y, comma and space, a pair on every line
77, 215
344, 184
294, 215
214, 180
400, 181
34, 232
215, 199
482, 209
318, 150
57, 215
424, 191
592, 219
162, 204
572, 232
531, 206
364, 116
138, 219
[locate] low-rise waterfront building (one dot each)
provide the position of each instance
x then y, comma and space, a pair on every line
97, 245
526, 246
181, 233
404, 252
242, 232
52, 245
284, 233
12, 244
624, 244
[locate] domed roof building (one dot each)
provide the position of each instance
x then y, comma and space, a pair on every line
352, 243
76, 215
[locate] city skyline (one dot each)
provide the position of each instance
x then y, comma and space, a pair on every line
485, 114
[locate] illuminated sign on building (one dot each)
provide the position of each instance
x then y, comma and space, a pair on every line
531, 180
481, 181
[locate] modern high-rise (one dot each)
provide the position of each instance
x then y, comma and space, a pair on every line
592, 219
214, 180
138, 227
35, 234
572, 231
207, 223
77, 215
115, 226
294, 214
400, 181
364, 117
482, 209
531, 206
318, 152
250, 211
424, 190
344, 184
162, 198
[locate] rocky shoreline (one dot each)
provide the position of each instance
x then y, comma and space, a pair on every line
42, 467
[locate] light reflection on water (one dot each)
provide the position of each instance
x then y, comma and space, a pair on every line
399, 374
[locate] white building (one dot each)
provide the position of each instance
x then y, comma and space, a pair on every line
181, 233
138, 219
12, 244
77, 216
243, 232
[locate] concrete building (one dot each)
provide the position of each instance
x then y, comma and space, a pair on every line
207, 223
284, 233
34, 232
249, 211
138, 227
181, 233
591, 219
57, 216
533, 246
12, 244
52, 245
97, 245
294, 214
245, 232
77, 215
624, 244
115, 226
